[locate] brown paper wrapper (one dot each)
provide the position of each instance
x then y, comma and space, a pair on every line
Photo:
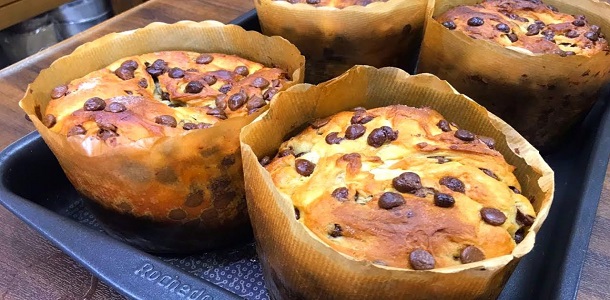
542, 96
297, 265
333, 40
165, 194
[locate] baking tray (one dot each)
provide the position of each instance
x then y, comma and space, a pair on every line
34, 188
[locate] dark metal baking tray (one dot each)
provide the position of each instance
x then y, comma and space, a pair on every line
35, 189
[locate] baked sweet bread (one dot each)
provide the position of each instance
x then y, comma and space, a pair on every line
335, 3
527, 25
160, 94
402, 187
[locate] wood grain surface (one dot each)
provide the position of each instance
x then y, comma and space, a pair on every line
31, 268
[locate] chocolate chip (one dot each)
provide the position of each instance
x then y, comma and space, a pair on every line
204, 59
552, 8
217, 112
165, 96
440, 159
177, 214
569, 53
225, 88
312, 1
354, 131
592, 36
572, 34
189, 126
523, 219
421, 259
193, 87
379, 136
265, 161
104, 134
304, 167
210, 79
449, 25
520, 235
340, 194
407, 182
260, 82
335, 230
124, 73
333, 138
532, 29
361, 117
155, 72
221, 101
540, 24
297, 213
94, 104
503, 27
255, 102
59, 91
444, 125
319, 123
115, 107
512, 37
130, 64
242, 70
493, 216
443, 200
514, 189
166, 120
77, 130
27, 118
464, 135
285, 152
453, 184
237, 100
157, 68
269, 93
389, 200
471, 254
548, 34
596, 29
578, 22
490, 173
490, 142
143, 83
103, 125
175, 73
475, 21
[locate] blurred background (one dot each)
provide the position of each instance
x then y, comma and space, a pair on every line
29, 26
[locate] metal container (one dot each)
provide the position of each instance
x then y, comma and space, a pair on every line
66, 30
28, 37
81, 11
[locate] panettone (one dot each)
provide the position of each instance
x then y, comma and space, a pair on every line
527, 25
335, 3
160, 94
402, 187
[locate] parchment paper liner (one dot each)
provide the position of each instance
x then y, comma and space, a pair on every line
299, 266
153, 178
333, 40
541, 96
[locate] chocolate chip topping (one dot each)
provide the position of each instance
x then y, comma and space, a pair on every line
225, 88
204, 59
464, 135
443, 200
360, 117
471, 254
175, 73
297, 213
94, 104
449, 25
130, 64
143, 83
59, 91
217, 112
578, 22
444, 125
512, 37
304, 167
237, 100
354, 131
407, 182
255, 102
335, 230
319, 123
493, 216
489, 173
421, 259
333, 138
514, 189
490, 142
193, 87
166, 120
340, 194
191, 126
210, 79
440, 159
77, 130
523, 219
265, 161
532, 29
269, 93
453, 184
242, 70
124, 73
104, 125
596, 29
475, 21
260, 82
389, 200
380, 136
503, 27
285, 152
572, 34
157, 68
115, 107
592, 36
520, 235
312, 1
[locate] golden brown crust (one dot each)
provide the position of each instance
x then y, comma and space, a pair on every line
144, 102
366, 168
335, 3
529, 25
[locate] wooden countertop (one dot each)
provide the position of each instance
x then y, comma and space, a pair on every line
31, 268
